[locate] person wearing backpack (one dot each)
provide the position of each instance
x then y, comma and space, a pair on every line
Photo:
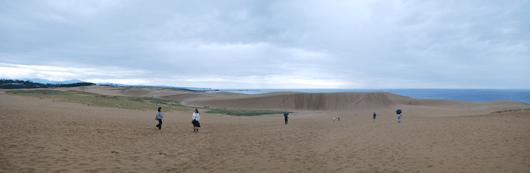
159, 117
286, 115
374, 116
399, 114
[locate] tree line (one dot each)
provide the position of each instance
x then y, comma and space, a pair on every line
17, 84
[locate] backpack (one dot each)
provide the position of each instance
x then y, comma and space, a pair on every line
398, 111
156, 118
286, 114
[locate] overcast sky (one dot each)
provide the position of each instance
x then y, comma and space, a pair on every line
270, 44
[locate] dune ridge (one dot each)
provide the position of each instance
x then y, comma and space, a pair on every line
304, 101
342, 101
348, 103
339, 101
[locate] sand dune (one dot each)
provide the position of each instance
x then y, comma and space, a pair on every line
41, 135
303, 101
344, 104
359, 102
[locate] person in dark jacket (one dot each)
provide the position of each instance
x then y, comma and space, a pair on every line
374, 116
159, 117
399, 114
286, 115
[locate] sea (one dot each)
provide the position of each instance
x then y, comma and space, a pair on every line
472, 95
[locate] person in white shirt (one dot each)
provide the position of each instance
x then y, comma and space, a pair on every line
159, 117
195, 121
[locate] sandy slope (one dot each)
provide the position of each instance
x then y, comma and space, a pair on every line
348, 103
39, 135
363, 102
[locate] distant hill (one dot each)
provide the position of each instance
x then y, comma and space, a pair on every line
16, 84
44, 81
159, 86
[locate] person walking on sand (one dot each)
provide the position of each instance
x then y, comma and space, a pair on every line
195, 121
286, 115
374, 116
159, 117
399, 114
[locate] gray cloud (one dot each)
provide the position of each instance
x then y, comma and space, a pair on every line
270, 44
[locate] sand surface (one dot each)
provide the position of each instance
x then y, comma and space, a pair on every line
42, 135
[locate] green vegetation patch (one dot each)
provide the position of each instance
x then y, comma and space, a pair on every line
243, 112
92, 99
511, 110
137, 99
158, 101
